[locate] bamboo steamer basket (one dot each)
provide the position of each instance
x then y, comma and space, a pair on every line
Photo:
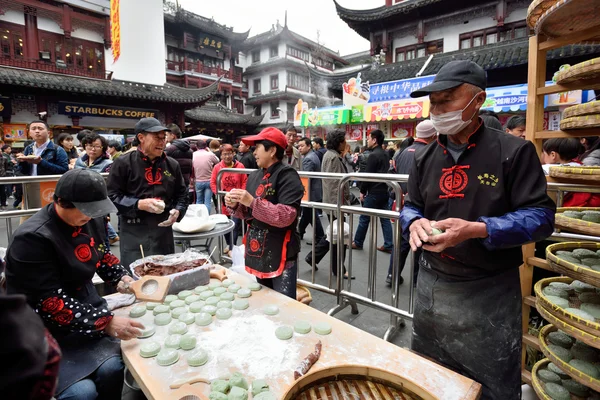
538, 385
578, 272
592, 328
355, 382
582, 122
579, 172
576, 225
588, 71
590, 340
567, 17
574, 373
589, 108
536, 9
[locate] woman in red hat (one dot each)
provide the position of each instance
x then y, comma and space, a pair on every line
271, 206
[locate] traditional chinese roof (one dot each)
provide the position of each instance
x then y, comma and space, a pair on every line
280, 95
491, 57
285, 63
284, 33
215, 112
102, 87
206, 25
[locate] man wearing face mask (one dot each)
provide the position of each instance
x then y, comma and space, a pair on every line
486, 191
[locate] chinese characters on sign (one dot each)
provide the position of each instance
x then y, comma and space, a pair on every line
508, 101
210, 42
398, 89
397, 110
115, 29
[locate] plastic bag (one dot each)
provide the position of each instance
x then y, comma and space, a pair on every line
335, 235
238, 262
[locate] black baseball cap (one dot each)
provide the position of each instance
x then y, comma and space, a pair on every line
149, 125
87, 191
454, 74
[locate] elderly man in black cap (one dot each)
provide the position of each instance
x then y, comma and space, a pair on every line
149, 191
474, 198
52, 260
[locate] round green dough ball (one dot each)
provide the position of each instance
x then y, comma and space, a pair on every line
170, 298
178, 328
227, 282
254, 286
234, 288
151, 305
586, 368
436, 231
583, 253
217, 396
176, 312
187, 318
238, 380
575, 388
264, 396
552, 291
148, 331
172, 341
196, 306
187, 342
212, 301
220, 385
580, 287
184, 293
240, 304
191, 299
271, 309
150, 349
580, 313
214, 285
560, 285
197, 358
258, 386
592, 309
548, 376
206, 294
219, 291
322, 328
167, 357
561, 339
137, 311
227, 296
223, 313
161, 309
558, 301
200, 289
176, 304
284, 332
556, 391
302, 327
212, 310
237, 393
559, 352
224, 304
554, 368
203, 319
243, 293
582, 351
162, 319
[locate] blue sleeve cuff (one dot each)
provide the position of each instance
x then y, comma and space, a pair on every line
518, 227
409, 213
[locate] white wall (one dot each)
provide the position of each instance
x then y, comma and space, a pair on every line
98, 6
46, 24
15, 17
143, 52
86, 34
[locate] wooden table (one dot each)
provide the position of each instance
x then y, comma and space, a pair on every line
276, 360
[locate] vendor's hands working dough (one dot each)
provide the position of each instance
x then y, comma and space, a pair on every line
240, 196
456, 231
173, 215
153, 206
123, 286
123, 328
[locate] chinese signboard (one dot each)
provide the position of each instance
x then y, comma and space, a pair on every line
15, 131
331, 116
403, 130
354, 132
397, 90
115, 29
356, 114
506, 98
397, 110
95, 110
206, 41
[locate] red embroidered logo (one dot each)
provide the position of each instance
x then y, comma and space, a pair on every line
52, 305
83, 253
254, 245
260, 190
102, 322
453, 181
153, 180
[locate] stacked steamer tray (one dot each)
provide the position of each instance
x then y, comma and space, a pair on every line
584, 220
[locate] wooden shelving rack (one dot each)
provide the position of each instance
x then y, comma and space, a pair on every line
538, 48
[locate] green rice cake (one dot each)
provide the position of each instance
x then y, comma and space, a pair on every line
561, 339
561, 352
552, 291
592, 309
556, 391
575, 388
554, 368
558, 301
595, 218
580, 313
585, 367
582, 253
548, 376
582, 351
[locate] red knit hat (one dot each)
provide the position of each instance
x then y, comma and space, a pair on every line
272, 134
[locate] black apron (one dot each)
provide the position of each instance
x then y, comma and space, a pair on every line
268, 247
82, 355
472, 326
156, 240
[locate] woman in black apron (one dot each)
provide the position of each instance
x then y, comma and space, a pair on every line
270, 205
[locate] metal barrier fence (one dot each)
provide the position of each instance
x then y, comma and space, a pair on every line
344, 295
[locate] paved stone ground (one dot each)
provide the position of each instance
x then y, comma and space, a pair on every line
368, 319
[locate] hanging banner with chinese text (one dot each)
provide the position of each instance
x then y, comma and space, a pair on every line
115, 29
397, 110
354, 132
397, 90
330, 116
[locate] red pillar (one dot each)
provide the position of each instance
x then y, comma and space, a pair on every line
31, 38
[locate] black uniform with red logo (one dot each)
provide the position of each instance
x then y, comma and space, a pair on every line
269, 247
53, 263
134, 177
468, 302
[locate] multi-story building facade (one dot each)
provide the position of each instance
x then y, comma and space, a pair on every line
56, 62
276, 74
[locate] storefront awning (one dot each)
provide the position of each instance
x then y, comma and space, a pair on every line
328, 116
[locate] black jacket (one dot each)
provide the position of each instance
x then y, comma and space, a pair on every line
248, 160
134, 176
377, 163
404, 161
362, 160
181, 152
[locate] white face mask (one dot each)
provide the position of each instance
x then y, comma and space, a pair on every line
451, 122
